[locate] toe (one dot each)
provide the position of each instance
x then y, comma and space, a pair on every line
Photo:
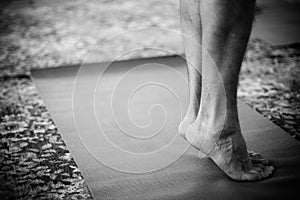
266, 171
259, 161
256, 158
254, 155
252, 152
270, 169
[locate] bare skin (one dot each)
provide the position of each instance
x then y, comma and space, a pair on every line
223, 29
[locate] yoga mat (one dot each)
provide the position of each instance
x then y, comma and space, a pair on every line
91, 112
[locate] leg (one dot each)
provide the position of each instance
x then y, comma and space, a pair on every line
226, 26
192, 34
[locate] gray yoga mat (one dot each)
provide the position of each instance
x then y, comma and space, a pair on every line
112, 152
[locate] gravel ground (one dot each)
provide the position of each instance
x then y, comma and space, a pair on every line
34, 161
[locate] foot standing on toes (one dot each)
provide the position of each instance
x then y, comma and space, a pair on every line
222, 29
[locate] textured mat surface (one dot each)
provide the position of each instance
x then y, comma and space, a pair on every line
99, 105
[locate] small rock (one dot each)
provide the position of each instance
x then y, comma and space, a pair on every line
30, 155
41, 173
46, 155
53, 176
34, 150
45, 188
62, 147
39, 131
46, 146
32, 176
23, 144
65, 174
66, 157
58, 185
4, 151
37, 181
62, 191
58, 171
15, 149
51, 127
15, 139
50, 151
76, 170
53, 139
38, 160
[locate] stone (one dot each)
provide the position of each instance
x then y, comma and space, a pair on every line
66, 157
46, 146
15, 149
23, 144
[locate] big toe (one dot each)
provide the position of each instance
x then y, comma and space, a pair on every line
254, 155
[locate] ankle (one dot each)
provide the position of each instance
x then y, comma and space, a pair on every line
229, 131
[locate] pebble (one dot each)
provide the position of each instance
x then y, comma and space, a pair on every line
34, 150
15, 149
66, 157
53, 139
5, 151
15, 139
52, 127
53, 176
46, 146
58, 185
50, 151
38, 159
46, 155
23, 144
58, 171
76, 170
39, 131
30, 155
62, 147
65, 174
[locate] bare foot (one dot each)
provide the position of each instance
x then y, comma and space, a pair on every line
228, 150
